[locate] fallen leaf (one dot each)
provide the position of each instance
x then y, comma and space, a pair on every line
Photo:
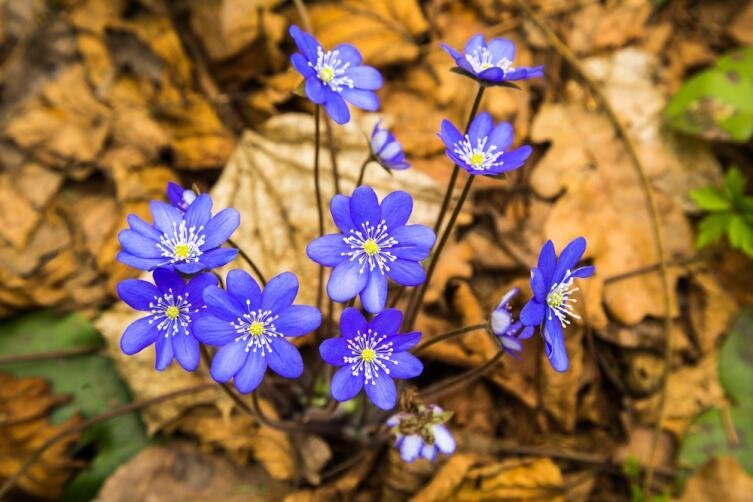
513, 479
447, 479
721, 478
24, 406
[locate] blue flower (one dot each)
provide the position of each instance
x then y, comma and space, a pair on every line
551, 305
506, 328
188, 242
333, 77
179, 197
484, 150
375, 243
250, 326
386, 149
491, 63
173, 307
422, 434
371, 354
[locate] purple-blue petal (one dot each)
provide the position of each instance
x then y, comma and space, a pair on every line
532, 313
405, 341
449, 134
138, 262
211, 330
475, 42
339, 206
168, 281
407, 365
229, 360
137, 294
138, 335
452, 52
335, 106
215, 258
144, 228
547, 261
164, 350
279, 292
301, 64
220, 227
193, 266
584, 272
406, 272
539, 286
136, 244
568, 258
382, 392
348, 54
501, 136
352, 321
199, 212
306, 43
222, 305
328, 250
186, 350
364, 206
374, 295
334, 351
244, 289
298, 320
251, 373
345, 385
365, 77
284, 359
346, 281
387, 322
315, 89
196, 286
501, 48
396, 209
365, 100
555, 345
165, 216
480, 128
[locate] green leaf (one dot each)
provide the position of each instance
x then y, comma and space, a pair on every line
712, 228
740, 234
717, 103
710, 199
734, 184
707, 436
92, 382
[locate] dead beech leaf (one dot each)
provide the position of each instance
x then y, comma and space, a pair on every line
65, 124
269, 180
384, 31
181, 471
24, 427
514, 479
447, 479
721, 478
711, 310
596, 27
559, 391
342, 487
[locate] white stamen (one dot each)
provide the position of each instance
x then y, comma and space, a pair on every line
330, 69
481, 59
178, 317
479, 158
559, 301
262, 340
377, 354
184, 245
368, 246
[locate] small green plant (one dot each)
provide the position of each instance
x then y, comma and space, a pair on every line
632, 470
730, 212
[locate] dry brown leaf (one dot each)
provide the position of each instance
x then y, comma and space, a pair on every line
711, 310
721, 478
516, 479
24, 427
559, 391
344, 486
181, 471
596, 27
384, 31
740, 25
447, 479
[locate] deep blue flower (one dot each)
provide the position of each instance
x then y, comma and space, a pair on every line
173, 307
375, 243
551, 305
422, 434
386, 149
484, 150
179, 197
491, 62
333, 77
506, 328
250, 326
189, 242
371, 354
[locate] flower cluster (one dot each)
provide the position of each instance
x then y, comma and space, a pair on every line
249, 326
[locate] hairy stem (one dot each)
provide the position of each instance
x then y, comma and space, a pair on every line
251, 263
363, 170
448, 335
318, 192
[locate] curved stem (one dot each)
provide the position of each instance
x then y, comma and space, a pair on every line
455, 168
416, 304
448, 335
332, 154
363, 170
432, 392
318, 192
280, 425
121, 410
250, 262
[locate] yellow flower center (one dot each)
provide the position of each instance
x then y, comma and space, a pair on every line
182, 251
371, 247
554, 299
172, 312
368, 355
326, 74
256, 328
477, 159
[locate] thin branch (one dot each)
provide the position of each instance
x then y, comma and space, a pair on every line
251, 262
569, 56
448, 335
121, 410
53, 354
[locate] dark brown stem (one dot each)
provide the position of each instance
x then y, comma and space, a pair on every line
318, 192
363, 170
456, 169
448, 335
121, 410
280, 425
415, 307
332, 154
53, 354
433, 392
251, 263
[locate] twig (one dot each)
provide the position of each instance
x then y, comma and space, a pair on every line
448, 335
569, 56
121, 410
53, 354
248, 260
